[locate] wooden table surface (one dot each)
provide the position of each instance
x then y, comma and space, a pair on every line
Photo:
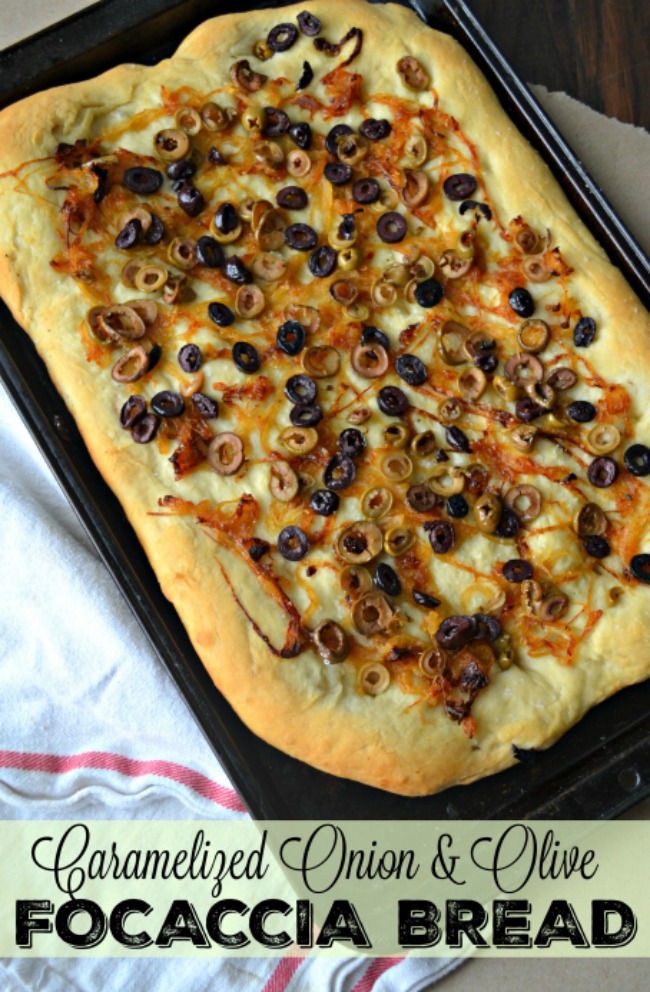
596, 50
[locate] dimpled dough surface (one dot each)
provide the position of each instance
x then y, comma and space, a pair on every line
402, 739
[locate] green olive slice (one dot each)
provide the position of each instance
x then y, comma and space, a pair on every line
360, 542
590, 521
171, 144
533, 336
374, 678
331, 642
372, 613
355, 581
487, 511
299, 440
376, 502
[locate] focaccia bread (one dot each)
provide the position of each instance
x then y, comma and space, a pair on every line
372, 397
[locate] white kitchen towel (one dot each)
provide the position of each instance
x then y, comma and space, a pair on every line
91, 726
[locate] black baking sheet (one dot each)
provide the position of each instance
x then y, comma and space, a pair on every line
599, 768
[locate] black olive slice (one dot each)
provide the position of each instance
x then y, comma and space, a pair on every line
129, 235
640, 567
226, 218
292, 198
428, 293
597, 546
291, 337
306, 415
460, 186
375, 130
336, 132
322, 262
457, 506
168, 403
300, 389
146, 429
582, 411
215, 156
143, 180
391, 228
602, 472
456, 632
257, 549
190, 358
392, 401
488, 627
509, 524
282, 37
221, 314
132, 411
210, 253
156, 231
308, 23
324, 502
442, 536
302, 237
351, 442
521, 302
527, 410
338, 173
236, 271
584, 332
206, 406
475, 205
246, 357
372, 334
365, 190
517, 570
184, 168
420, 498
190, 199
277, 122
637, 459
426, 600
411, 369
300, 134
339, 473
387, 579
305, 78
457, 439
293, 543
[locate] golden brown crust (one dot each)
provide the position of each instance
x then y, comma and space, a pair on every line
312, 711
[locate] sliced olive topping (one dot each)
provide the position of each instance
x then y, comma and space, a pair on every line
236, 271
428, 293
333, 136
344, 292
331, 642
190, 358
369, 360
301, 237
291, 340
596, 546
455, 633
351, 442
206, 406
190, 199
392, 401
338, 173
131, 366
322, 261
321, 362
376, 502
602, 472
420, 498
375, 130
306, 77
143, 180
457, 439
553, 607
584, 332
300, 388
184, 168
133, 410
324, 502
521, 301
257, 549
210, 253
365, 190
561, 379
457, 506
460, 186
246, 357
637, 459
299, 440
527, 410
391, 227
487, 511
482, 208
640, 568
276, 122
413, 74
129, 235
146, 428
373, 335
226, 219
425, 600
339, 473
168, 404
293, 543
292, 198
411, 369
221, 314
282, 37
309, 24
603, 438
582, 411
442, 536
387, 579
156, 231
372, 613
517, 570
522, 369
306, 415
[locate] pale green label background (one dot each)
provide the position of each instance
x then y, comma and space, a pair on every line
224, 888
